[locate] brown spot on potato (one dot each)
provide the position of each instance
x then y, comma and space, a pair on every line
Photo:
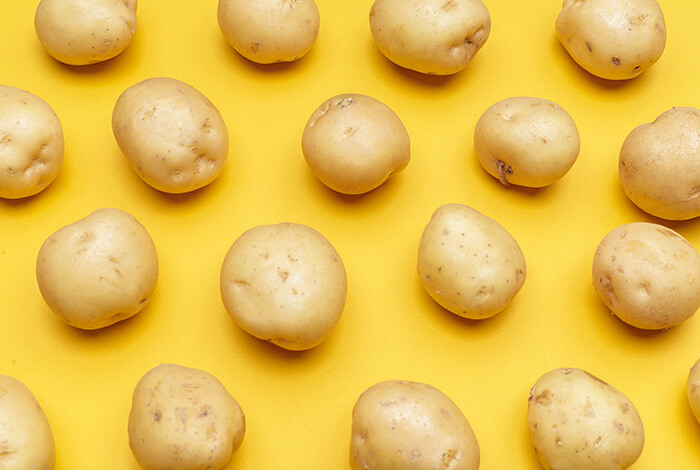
544, 398
616, 61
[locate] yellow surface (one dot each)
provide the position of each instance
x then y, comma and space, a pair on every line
298, 405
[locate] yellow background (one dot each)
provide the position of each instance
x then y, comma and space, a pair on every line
298, 405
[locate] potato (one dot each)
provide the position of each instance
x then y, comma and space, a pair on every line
171, 134
526, 141
31, 143
26, 439
612, 39
659, 165
284, 283
435, 37
269, 31
410, 425
81, 32
98, 270
183, 419
579, 422
353, 143
468, 263
647, 275
693, 389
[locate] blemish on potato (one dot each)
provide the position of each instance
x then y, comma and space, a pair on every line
616, 61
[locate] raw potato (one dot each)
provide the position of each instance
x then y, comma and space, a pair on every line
99, 270
659, 165
31, 144
353, 143
26, 439
612, 39
284, 283
436, 37
579, 422
526, 141
648, 275
269, 31
81, 32
410, 425
183, 419
469, 263
171, 134
693, 389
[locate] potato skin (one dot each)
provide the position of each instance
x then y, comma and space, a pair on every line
410, 425
693, 390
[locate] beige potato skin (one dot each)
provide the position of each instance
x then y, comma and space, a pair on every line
98, 270
693, 390
647, 275
31, 144
183, 418
26, 439
435, 37
412, 426
172, 135
612, 39
659, 165
269, 31
82, 32
469, 263
284, 283
353, 143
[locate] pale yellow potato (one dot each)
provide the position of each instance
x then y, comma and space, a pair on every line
82, 32
435, 37
98, 270
31, 143
269, 31
183, 418
353, 143
579, 422
469, 263
284, 283
647, 275
693, 389
526, 141
612, 39
412, 426
659, 165
26, 439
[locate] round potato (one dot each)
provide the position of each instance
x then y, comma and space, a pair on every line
99, 270
353, 143
269, 31
469, 263
659, 165
284, 283
411, 425
693, 389
81, 32
183, 419
31, 143
526, 141
171, 134
612, 39
26, 440
435, 37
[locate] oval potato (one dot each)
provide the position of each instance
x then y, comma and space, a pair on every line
693, 390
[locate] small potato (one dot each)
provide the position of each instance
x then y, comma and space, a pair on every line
526, 141
410, 425
469, 263
579, 422
183, 419
648, 275
284, 283
81, 32
31, 144
612, 39
26, 439
693, 389
171, 134
269, 31
435, 37
659, 165
99, 270
353, 143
